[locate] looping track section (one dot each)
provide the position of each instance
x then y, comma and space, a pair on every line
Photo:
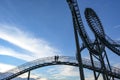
81, 29
94, 23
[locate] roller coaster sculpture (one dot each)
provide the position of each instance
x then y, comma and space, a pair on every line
98, 63
97, 47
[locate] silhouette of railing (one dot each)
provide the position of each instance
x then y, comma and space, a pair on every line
63, 60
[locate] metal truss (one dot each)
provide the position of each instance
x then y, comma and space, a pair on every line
62, 60
95, 48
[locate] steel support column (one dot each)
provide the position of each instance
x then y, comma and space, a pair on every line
78, 54
28, 75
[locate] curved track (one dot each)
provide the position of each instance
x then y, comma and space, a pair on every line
81, 29
94, 23
96, 26
63, 60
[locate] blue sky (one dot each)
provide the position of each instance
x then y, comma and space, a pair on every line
31, 29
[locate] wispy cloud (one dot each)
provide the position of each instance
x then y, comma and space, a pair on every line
63, 72
5, 67
36, 46
11, 52
118, 26
69, 71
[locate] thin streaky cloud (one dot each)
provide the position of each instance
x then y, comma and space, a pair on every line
5, 67
10, 52
118, 26
38, 47
69, 71
64, 71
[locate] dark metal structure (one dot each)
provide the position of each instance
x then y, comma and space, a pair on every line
96, 48
63, 60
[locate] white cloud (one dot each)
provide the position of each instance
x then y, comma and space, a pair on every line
43, 79
11, 52
69, 71
5, 67
36, 46
63, 71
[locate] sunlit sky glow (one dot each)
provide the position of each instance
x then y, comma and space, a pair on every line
31, 29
